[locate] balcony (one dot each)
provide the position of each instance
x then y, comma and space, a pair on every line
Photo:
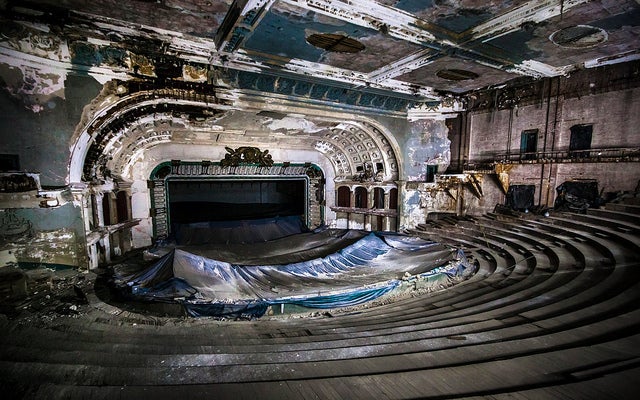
626, 154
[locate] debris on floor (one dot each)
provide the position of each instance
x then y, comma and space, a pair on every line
43, 294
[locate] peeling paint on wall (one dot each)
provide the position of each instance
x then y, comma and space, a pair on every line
427, 144
292, 123
36, 89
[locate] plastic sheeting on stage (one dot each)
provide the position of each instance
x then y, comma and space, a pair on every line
242, 231
328, 269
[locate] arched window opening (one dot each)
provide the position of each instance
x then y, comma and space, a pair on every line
393, 199
378, 198
344, 196
361, 197
122, 206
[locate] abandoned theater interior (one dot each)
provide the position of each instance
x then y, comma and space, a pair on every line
324, 199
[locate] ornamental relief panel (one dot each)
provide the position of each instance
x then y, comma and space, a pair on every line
32, 41
354, 151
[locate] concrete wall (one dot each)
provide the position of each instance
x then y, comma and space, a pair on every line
615, 117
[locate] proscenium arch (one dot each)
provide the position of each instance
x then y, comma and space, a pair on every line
201, 171
348, 144
148, 119
98, 133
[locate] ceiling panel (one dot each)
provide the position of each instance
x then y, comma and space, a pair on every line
428, 75
404, 42
284, 30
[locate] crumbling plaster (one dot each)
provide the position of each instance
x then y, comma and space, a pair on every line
426, 143
22, 132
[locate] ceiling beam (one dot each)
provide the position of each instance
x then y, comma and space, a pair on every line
534, 11
243, 17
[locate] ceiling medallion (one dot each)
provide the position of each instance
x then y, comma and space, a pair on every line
456, 74
579, 36
335, 42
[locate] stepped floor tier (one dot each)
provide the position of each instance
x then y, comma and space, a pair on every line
550, 312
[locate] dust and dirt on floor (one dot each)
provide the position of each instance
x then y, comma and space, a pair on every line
43, 294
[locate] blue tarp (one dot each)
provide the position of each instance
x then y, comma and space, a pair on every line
243, 231
368, 266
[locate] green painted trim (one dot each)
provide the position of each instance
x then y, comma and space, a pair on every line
157, 168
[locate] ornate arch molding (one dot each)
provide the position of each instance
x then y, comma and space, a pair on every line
119, 133
134, 123
357, 149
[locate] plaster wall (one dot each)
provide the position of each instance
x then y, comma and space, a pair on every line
42, 137
39, 112
424, 142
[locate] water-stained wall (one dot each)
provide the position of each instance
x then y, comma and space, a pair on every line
426, 144
38, 117
41, 133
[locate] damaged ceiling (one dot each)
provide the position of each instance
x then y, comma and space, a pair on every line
171, 67
407, 49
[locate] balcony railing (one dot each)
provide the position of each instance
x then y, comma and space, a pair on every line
627, 154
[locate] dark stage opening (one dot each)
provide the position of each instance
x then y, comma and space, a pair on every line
192, 201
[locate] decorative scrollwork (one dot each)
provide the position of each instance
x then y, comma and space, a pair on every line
13, 226
246, 155
368, 174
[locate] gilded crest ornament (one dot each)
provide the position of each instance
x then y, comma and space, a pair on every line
246, 155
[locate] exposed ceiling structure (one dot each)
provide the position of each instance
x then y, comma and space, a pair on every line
218, 59
415, 47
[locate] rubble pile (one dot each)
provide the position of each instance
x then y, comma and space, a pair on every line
43, 294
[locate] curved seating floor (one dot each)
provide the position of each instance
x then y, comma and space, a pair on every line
552, 312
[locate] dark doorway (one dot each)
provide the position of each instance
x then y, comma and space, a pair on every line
393, 199
122, 206
9, 162
580, 141
361, 197
235, 200
520, 197
529, 144
431, 173
378, 198
106, 208
344, 196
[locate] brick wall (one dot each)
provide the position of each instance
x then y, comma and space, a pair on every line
615, 117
